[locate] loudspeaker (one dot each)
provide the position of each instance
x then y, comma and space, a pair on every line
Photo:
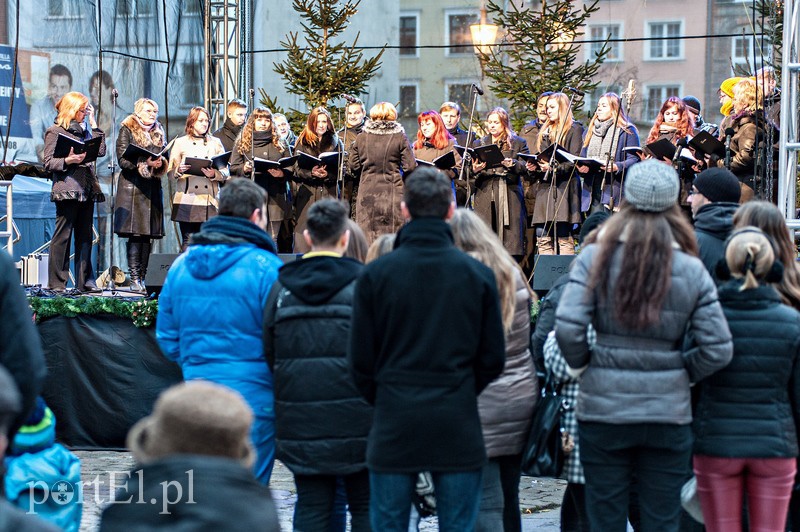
34, 269
548, 268
157, 269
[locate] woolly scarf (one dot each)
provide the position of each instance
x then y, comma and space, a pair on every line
231, 230
603, 143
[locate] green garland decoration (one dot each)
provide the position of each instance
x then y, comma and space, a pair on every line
141, 311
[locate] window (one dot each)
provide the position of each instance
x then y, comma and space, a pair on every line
63, 8
742, 51
663, 46
461, 93
408, 99
656, 96
192, 84
409, 22
459, 38
192, 7
135, 7
598, 34
591, 98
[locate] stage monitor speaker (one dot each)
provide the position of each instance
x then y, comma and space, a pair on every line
157, 269
548, 268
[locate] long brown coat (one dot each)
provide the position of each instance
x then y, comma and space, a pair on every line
565, 204
382, 157
138, 205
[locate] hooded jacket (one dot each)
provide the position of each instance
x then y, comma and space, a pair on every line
211, 309
712, 225
321, 420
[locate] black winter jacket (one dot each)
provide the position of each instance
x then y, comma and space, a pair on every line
749, 409
422, 347
321, 421
227, 134
712, 225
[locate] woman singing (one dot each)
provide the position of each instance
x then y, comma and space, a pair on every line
138, 207
433, 140
558, 196
259, 139
498, 191
317, 137
673, 124
75, 191
382, 156
608, 133
195, 199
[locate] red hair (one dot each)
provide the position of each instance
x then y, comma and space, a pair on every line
683, 126
441, 137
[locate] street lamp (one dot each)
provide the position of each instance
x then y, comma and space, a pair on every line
483, 35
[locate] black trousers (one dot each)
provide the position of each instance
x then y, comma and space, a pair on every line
315, 501
73, 219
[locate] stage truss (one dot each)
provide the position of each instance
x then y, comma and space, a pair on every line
789, 139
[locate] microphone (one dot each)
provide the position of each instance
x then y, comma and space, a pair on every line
574, 91
350, 98
679, 146
728, 134
477, 89
114, 93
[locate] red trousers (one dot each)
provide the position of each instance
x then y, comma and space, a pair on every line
722, 483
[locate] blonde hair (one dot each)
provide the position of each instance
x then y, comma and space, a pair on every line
357, 246
382, 245
68, 107
749, 255
473, 236
138, 106
383, 111
747, 96
561, 125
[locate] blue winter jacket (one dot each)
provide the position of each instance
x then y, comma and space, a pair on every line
210, 318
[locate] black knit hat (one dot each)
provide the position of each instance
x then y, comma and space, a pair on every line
718, 184
693, 103
592, 222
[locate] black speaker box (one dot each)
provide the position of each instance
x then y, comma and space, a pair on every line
157, 269
548, 268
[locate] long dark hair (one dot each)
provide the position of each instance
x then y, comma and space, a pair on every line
646, 240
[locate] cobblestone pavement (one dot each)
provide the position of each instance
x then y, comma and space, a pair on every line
540, 498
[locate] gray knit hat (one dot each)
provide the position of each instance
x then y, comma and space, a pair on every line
652, 186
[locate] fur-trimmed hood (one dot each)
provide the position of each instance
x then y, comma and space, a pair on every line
383, 127
155, 136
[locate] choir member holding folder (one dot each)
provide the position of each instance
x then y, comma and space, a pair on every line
608, 134
259, 140
196, 178
673, 124
558, 196
138, 206
75, 189
315, 179
498, 183
434, 147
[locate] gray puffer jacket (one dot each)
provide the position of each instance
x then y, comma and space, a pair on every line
642, 376
506, 405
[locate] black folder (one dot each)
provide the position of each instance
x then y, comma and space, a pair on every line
489, 154
707, 143
91, 147
443, 162
197, 164
329, 159
134, 152
262, 165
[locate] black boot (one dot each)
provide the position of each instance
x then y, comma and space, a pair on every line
134, 264
144, 260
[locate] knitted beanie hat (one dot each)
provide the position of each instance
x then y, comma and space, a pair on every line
718, 184
652, 186
38, 433
727, 85
693, 104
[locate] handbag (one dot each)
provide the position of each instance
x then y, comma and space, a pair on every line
543, 455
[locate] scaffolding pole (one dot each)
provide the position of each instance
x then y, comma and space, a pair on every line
789, 142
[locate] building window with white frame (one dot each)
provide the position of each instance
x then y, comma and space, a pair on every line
663, 43
598, 33
459, 38
62, 9
408, 99
409, 34
461, 93
656, 96
742, 51
139, 8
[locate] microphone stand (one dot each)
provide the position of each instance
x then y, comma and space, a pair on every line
252, 141
112, 165
466, 159
340, 177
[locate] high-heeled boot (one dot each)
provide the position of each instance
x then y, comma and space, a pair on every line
144, 261
134, 250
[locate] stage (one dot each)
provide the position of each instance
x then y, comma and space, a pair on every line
104, 373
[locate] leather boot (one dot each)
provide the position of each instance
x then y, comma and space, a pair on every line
566, 245
134, 265
545, 245
144, 255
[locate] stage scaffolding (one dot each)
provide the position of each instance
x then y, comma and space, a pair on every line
789, 134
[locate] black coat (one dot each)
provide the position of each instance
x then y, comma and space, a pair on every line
277, 202
227, 134
321, 421
138, 204
487, 188
750, 408
566, 180
712, 225
426, 339
225, 495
